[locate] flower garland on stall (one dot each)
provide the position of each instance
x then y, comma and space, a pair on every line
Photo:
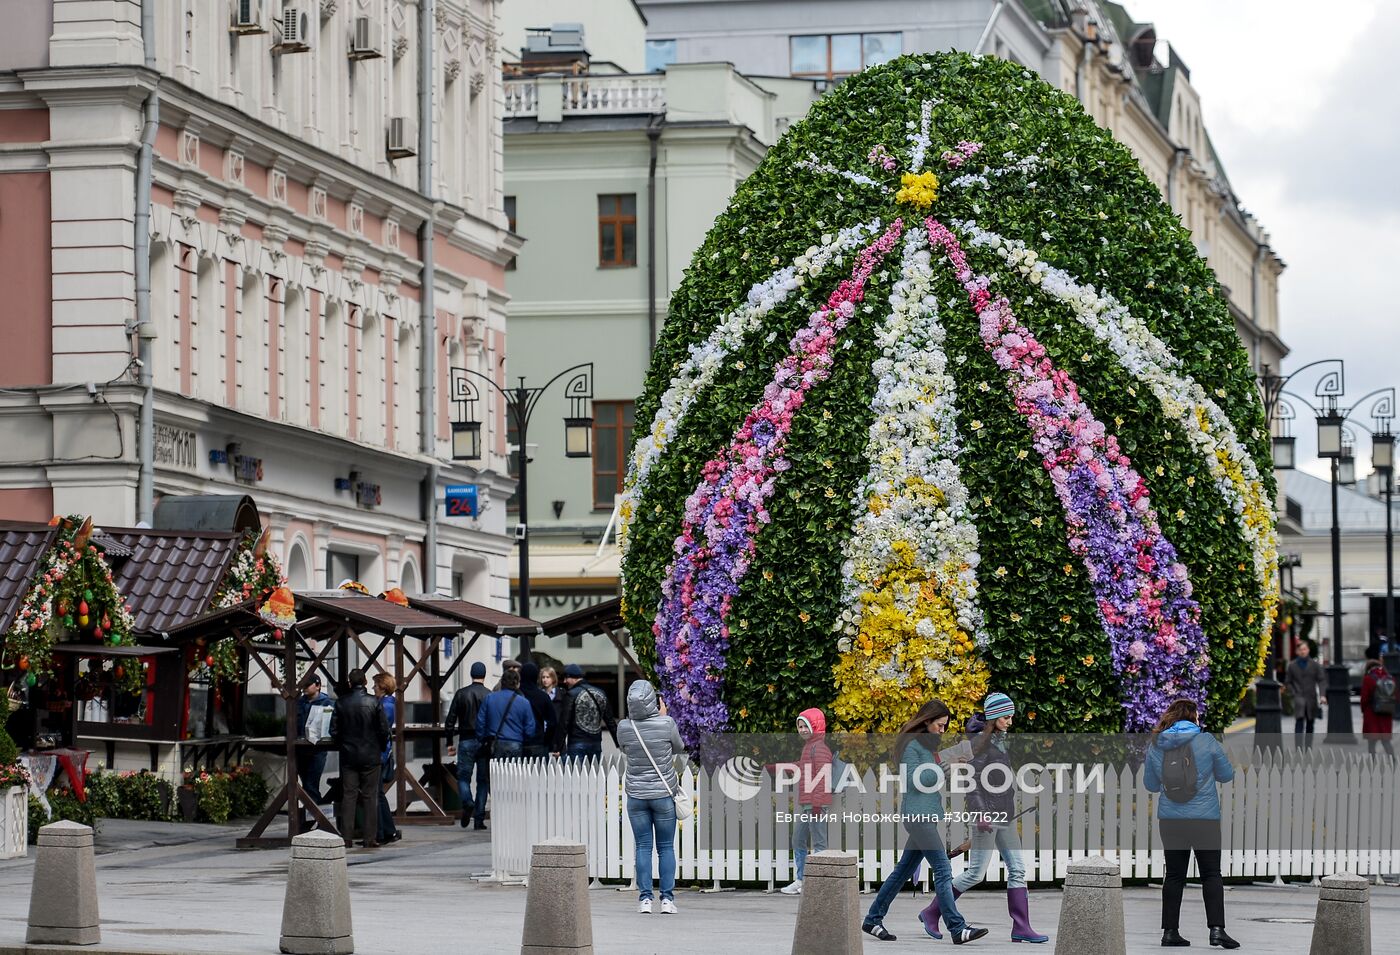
254, 574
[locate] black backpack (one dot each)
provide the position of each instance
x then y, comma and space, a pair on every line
1383, 696
1179, 774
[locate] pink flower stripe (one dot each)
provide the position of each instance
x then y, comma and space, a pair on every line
723, 515
1144, 597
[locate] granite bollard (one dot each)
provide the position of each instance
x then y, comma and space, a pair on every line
63, 900
1343, 922
316, 909
558, 919
1091, 913
829, 914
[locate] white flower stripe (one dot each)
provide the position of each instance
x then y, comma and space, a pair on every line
912, 501
815, 165
1182, 398
707, 358
919, 142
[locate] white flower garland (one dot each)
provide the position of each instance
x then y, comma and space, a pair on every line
911, 506
1182, 398
707, 358
816, 165
919, 142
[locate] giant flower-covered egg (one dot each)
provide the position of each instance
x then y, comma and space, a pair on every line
947, 402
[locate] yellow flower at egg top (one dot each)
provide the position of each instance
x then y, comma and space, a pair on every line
918, 189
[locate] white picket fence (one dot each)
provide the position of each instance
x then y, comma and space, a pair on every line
1306, 817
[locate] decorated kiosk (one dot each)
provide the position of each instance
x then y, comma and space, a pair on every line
948, 400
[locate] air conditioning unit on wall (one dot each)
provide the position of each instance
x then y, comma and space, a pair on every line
366, 42
297, 31
247, 17
401, 141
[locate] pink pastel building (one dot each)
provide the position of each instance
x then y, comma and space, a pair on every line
286, 263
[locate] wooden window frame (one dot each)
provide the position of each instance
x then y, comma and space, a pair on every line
830, 76
624, 448
615, 220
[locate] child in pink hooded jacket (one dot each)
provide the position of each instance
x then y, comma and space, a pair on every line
814, 784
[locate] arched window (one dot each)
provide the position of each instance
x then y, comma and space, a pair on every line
406, 417
298, 566
296, 361
333, 391
252, 346
209, 331
409, 581
372, 378
165, 315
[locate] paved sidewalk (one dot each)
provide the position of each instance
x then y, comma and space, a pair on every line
169, 888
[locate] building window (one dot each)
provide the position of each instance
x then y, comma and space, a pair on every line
612, 442
510, 218
340, 568
617, 231
836, 56
660, 54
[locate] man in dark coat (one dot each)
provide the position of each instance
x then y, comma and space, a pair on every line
466, 703
583, 717
541, 742
361, 731
1306, 682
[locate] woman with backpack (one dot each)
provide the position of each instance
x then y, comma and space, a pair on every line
1184, 764
1377, 707
651, 741
996, 832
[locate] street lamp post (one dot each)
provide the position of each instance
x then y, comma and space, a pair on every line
520, 406
1383, 460
1329, 445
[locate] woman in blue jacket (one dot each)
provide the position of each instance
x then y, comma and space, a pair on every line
1184, 764
921, 807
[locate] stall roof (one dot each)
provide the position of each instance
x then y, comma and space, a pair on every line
171, 576
596, 619
219, 619
375, 615
107, 650
22, 546
207, 512
479, 618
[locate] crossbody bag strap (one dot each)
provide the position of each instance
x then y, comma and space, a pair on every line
651, 759
502, 721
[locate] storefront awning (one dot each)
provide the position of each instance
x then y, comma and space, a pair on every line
600, 618
22, 546
481, 619
373, 615
207, 512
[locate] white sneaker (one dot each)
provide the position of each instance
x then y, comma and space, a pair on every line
668, 907
793, 889
644, 907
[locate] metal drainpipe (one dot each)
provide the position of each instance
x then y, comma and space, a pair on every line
653, 140
1088, 51
145, 330
428, 366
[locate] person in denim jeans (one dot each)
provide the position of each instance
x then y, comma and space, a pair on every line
651, 741
462, 712
917, 750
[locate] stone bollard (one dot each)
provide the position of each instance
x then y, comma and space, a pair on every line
316, 910
829, 914
1091, 913
1343, 922
558, 919
63, 900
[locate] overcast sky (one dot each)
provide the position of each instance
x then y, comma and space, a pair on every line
1300, 100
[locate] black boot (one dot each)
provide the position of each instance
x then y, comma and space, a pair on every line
1171, 938
1218, 937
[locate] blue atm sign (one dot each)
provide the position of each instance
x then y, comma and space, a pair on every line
461, 500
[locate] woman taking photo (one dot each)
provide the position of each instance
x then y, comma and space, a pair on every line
996, 831
1184, 764
917, 751
650, 741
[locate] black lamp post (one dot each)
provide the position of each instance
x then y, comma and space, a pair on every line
1383, 460
1330, 446
520, 405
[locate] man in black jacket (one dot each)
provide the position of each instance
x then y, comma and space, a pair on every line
361, 731
542, 706
583, 717
462, 713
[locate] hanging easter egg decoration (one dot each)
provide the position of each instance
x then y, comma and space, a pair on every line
947, 401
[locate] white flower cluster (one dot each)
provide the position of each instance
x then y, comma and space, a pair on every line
816, 165
913, 493
1022, 165
707, 358
1183, 399
919, 141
